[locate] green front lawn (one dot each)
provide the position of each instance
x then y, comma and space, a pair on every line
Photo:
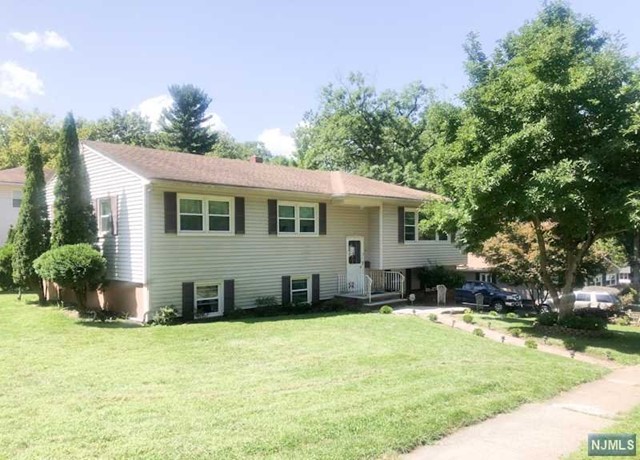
341, 386
623, 345
628, 425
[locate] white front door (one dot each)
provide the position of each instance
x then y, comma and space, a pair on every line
355, 263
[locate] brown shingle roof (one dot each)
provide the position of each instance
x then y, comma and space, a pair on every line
17, 175
183, 167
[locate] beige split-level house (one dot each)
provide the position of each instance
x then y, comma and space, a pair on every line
207, 235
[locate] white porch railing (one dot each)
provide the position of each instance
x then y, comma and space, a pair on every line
387, 281
360, 285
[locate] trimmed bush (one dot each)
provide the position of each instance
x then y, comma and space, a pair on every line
570, 343
512, 315
479, 332
6, 268
468, 311
267, 301
622, 321
467, 318
585, 322
433, 317
386, 309
78, 267
531, 343
493, 313
549, 318
516, 332
165, 316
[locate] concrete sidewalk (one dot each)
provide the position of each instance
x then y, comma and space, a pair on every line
547, 430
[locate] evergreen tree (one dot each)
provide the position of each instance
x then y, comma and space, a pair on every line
185, 121
73, 216
31, 235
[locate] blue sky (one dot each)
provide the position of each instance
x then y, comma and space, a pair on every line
262, 62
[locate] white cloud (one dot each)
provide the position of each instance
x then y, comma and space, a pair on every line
278, 142
19, 83
33, 41
152, 109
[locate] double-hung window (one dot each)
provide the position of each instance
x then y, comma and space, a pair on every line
205, 214
105, 215
208, 299
300, 289
297, 218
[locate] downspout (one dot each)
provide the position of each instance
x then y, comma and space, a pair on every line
381, 234
146, 250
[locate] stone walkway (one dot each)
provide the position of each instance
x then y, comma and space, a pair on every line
546, 430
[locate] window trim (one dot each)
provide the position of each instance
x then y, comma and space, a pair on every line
101, 230
297, 205
220, 298
309, 288
417, 239
204, 199
13, 198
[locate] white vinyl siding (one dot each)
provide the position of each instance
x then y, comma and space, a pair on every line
125, 251
256, 261
418, 253
8, 213
373, 242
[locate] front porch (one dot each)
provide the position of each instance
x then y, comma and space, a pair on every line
374, 288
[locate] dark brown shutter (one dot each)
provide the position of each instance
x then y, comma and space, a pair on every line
477, 276
229, 295
272, 208
188, 301
323, 218
315, 288
407, 276
170, 212
400, 224
239, 210
286, 290
114, 214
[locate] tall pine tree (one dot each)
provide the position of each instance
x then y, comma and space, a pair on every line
74, 220
31, 235
185, 121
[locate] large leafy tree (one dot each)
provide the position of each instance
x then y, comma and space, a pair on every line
73, 214
185, 122
31, 236
357, 129
547, 137
120, 127
18, 128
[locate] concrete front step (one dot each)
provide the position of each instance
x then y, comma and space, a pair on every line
379, 303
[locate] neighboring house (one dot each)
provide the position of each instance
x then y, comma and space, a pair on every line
476, 268
11, 183
615, 276
207, 234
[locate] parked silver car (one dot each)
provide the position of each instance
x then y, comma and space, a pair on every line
591, 299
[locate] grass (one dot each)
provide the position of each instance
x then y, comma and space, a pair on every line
629, 424
622, 346
324, 386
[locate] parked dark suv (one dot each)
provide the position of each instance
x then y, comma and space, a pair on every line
494, 297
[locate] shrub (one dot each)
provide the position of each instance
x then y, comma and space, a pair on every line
331, 305
467, 318
386, 309
549, 318
431, 276
512, 315
622, 321
592, 312
433, 317
584, 322
516, 332
267, 301
479, 332
570, 343
468, 311
78, 267
6, 269
493, 313
531, 343
165, 316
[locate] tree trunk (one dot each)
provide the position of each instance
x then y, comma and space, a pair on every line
39, 287
568, 299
